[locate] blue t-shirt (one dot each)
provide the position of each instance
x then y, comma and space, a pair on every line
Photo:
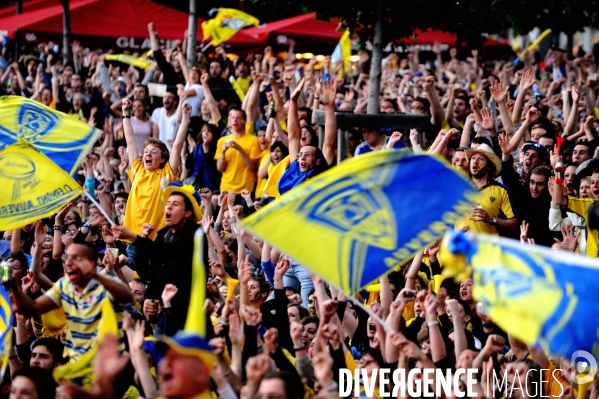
294, 176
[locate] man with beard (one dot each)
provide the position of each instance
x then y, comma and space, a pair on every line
532, 156
494, 208
166, 118
535, 208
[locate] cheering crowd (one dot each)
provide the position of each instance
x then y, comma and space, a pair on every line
230, 135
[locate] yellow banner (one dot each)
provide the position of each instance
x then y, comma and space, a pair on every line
226, 24
82, 371
34, 187
139, 62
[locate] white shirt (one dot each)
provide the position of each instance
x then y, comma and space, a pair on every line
167, 125
196, 100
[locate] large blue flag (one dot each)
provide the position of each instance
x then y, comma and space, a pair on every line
538, 295
62, 138
360, 219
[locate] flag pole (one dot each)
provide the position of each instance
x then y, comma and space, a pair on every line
93, 201
376, 317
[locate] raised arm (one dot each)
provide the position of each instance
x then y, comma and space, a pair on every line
130, 138
293, 126
183, 63
527, 81
175, 156
436, 108
210, 101
330, 124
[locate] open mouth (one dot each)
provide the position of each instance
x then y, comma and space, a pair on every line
167, 216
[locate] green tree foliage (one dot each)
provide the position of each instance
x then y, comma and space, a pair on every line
466, 18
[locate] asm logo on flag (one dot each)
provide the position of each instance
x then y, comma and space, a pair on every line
233, 23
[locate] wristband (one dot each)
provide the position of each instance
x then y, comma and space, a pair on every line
86, 225
432, 323
233, 219
299, 348
124, 177
58, 227
126, 117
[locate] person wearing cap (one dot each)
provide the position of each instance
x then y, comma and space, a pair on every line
494, 206
168, 259
185, 367
532, 156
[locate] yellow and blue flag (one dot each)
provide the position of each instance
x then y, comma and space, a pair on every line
538, 295
6, 317
226, 23
60, 137
139, 62
342, 52
360, 219
81, 372
34, 187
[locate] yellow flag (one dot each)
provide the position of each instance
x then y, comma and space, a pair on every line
342, 52
60, 137
535, 294
139, 62
227, 22
81, 371
33, 186
350, 225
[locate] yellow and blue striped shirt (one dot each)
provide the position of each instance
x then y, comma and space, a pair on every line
83, 312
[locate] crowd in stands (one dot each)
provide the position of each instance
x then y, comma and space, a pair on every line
232, 134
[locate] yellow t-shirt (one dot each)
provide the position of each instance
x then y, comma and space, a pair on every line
261, 186
244, 83
236, 175
581, 207
145, 204
494, 199
274, 175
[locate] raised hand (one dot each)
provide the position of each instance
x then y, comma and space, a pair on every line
395, 137
298, 90
569, 242
256, 368
108, 362
62, 213
282, 268
532, 115
328, 93
235, 329
169, 292
251, 316
487, 123
498, 93
126, 105
523, 231
528, 79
